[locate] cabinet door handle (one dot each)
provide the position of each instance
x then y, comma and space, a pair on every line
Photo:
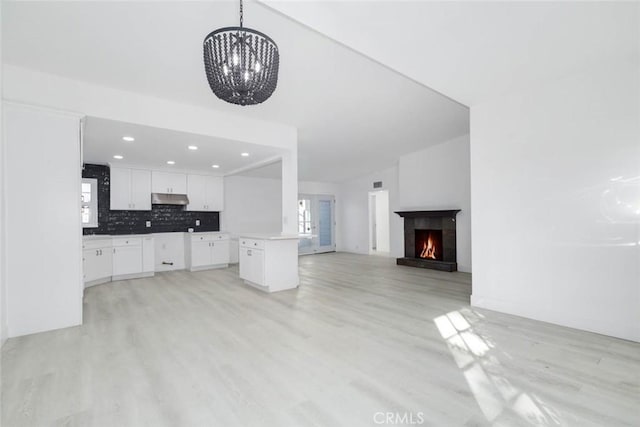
248, 252
97, 252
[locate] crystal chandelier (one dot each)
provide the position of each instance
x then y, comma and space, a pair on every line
241, 64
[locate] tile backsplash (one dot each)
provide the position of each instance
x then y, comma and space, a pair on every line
164, 218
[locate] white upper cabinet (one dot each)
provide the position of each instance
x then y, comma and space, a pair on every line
196, 189
214, 193
168, 182
141, 189
120, 183
206, 193
130, 189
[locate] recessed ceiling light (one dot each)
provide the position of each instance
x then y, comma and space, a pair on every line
171, 162
128, 138
118, 157
192, 147
215, 166
244, 154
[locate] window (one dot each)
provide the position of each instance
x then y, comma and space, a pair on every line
89, 202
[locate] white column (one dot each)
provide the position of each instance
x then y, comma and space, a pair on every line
290, 191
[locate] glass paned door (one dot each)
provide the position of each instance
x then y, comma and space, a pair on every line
316, 224
325, 224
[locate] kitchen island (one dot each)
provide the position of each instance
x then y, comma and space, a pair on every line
269, 262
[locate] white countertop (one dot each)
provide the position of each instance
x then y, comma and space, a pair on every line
117, 236
264, 236
206, 232
96, 237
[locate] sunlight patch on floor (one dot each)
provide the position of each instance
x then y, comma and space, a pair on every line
476, 355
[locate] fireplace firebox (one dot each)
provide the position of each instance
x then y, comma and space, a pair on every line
429, 244
429, 239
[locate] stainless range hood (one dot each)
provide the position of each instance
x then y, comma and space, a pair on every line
169, 199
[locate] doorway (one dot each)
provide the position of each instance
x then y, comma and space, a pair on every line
316, 224
379, 240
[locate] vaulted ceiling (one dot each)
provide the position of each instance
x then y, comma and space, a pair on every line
476, 50
353, 114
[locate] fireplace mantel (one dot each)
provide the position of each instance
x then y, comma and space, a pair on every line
429, 214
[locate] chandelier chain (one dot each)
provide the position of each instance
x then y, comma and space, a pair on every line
241, 14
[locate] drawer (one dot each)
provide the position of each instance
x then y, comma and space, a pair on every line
201, 237
251, 243
127, 241
208, 237
96, 243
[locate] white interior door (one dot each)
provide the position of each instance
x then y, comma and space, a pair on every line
379, 232
316, 224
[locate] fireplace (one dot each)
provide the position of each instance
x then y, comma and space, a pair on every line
430, 239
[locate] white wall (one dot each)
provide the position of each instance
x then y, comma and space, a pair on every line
37, 88
252, 205
43, 225
3, 287
352, 212
439, 178
555, 174
315, 187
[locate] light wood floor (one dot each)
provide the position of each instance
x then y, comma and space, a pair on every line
360, 337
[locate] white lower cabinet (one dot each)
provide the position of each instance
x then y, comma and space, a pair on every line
206, 250
269, 263
117, 258
252, 265
127, 259
96, 261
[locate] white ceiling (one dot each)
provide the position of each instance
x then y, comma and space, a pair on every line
153, 147
473, 51
353, 115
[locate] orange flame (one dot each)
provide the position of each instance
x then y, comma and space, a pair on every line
428, 249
